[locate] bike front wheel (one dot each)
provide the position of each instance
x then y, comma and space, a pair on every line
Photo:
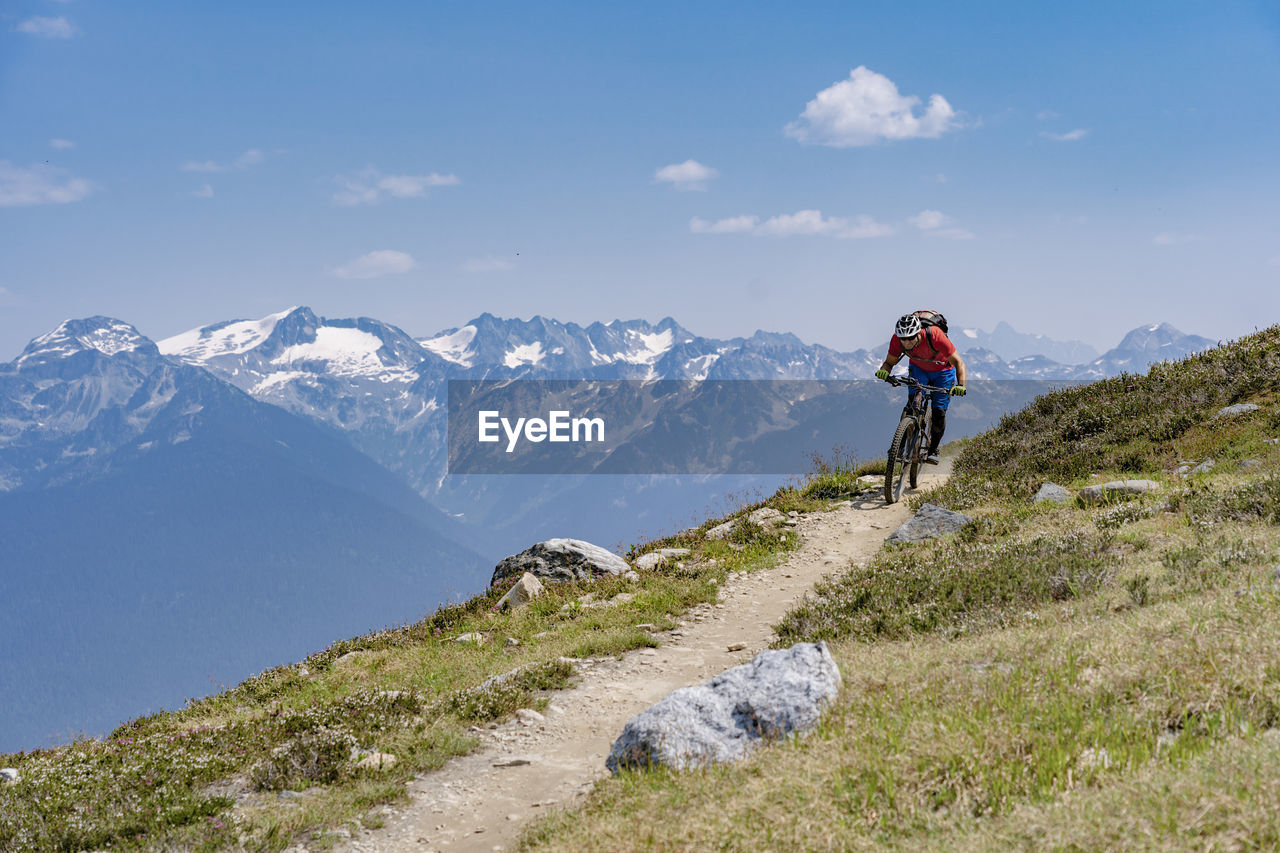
899, 461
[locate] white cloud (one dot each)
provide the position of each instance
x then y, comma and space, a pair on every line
54, 28
1070, 136
375, 264
689, 175
40, 185
932, 221
252, 157
731, 225
800, 223
927, 220
866, 109
205, 191
487, 265
61, 144
369, 186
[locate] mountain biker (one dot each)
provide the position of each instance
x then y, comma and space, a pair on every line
933, 361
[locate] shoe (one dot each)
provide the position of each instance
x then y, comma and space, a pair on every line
931, 459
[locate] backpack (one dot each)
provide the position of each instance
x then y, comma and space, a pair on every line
931, 318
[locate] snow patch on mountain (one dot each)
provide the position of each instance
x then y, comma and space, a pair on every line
346, 352
647, 348
524, 354
233, 338
107, 336
453, 345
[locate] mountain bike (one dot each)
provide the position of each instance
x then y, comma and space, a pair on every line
910, 440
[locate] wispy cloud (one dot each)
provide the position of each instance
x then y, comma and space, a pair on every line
252, 157
61, 144
935, 223
369, 186
205, 191
53, 28
800, 223
490, 264
376, 264
866, 109
689, 175
40, 185
1045, 115
1070, 136
1173, 238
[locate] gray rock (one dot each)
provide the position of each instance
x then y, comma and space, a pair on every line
1250, 464
722, 720
766, 516
528, 716
473, 637
1273, 441
1117, 488
1237, 409
9, 774
377, 761
526, 589
929, 522
559, 560
1053, 493
722, 531
656, 558
1187, 469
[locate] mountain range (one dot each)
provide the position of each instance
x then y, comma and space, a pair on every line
185, 513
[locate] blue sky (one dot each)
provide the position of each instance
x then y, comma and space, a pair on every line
1075, 169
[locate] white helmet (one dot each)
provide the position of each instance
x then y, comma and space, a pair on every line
908, 326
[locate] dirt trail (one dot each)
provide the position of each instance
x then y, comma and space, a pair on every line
479, 802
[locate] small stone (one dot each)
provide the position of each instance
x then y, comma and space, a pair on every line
631, 576
623, 598
513, 817
647, 626
929, 522
1053, 493
528, 716
1099, 493
377, 761
1250, 464
304, 672
9, 774
512, 761
512, 641
766, 516
525, 590
474, 637
736, 647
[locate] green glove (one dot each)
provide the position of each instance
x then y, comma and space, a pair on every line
957, 391
882, 374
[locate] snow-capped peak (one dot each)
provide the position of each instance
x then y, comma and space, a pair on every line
452, 346
231, 338
104, 334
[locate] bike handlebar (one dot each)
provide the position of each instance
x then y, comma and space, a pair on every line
912, 383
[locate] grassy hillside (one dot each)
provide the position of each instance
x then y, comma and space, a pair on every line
1094, 676
1072, 677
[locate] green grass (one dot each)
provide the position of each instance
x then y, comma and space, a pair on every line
205, 777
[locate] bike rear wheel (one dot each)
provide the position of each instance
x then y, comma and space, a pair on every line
899, 461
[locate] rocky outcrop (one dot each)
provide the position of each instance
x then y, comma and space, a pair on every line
559, 560
766, 516
722, 720
1117, 489
929, 522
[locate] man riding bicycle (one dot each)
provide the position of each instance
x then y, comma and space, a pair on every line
933, 361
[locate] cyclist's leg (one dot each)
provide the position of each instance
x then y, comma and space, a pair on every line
941, 399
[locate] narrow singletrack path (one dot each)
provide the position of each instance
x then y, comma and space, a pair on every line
480, 802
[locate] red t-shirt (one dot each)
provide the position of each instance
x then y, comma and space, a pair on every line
930, 354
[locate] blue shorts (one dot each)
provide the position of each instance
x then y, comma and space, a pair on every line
939, 379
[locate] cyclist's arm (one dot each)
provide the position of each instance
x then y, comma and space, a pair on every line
958, 363
889, 361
